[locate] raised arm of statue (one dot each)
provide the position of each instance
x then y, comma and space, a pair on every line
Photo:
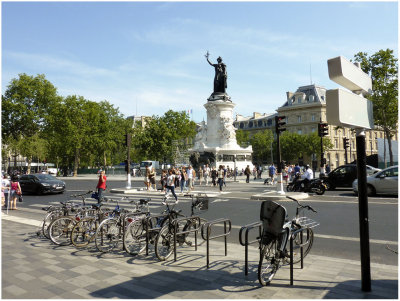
207, 55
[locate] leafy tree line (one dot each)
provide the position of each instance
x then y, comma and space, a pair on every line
383, 69
71, 131
293, 145
74, 132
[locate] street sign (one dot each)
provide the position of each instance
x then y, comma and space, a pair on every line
347, 109
348, 75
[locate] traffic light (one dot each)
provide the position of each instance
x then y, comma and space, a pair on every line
279, 123
322, 129
346, 143
127, 139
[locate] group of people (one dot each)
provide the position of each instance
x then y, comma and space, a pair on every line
10, 192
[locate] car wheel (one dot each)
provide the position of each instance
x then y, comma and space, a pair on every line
371, 190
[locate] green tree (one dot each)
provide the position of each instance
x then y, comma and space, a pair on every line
242, 138
262, 143
26, 107
158, 139
383, 69
291, 146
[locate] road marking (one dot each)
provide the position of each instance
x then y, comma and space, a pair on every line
21, 220
374, 241
220, 200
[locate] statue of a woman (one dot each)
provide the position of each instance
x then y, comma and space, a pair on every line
220, 84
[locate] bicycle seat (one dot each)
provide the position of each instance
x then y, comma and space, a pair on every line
144, 201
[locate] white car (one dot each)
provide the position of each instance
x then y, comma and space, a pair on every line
383, 182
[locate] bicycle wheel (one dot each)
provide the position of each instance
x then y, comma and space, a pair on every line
269, 263
60, 230
164, 244
190, 225
51, 216
298, 241
83, 232
134, 240
107, 235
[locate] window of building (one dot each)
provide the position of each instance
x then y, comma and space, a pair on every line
336, 143
299, 119
312, 117
269, 122
241, 125
299, 99
337, 160
313, 130
250, 124
299, 131
260, 123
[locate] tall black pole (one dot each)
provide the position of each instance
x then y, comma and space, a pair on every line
345, 155
278, 154
322, 154
363, 212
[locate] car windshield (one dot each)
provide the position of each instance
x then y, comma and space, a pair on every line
45, 177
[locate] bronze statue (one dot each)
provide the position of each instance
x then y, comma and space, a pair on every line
220, 84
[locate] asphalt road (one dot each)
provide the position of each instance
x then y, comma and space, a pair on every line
337, 212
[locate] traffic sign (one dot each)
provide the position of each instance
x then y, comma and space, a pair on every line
348, 75
347, 109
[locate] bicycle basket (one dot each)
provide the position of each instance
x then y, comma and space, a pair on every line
201, 202
306, 222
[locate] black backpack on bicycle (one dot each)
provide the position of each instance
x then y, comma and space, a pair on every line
273, 217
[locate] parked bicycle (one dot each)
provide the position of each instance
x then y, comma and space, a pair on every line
54, 212
164, 244
277, 230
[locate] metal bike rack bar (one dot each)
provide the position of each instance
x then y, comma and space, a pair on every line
195, 220
208, 237
246, 242
291, 251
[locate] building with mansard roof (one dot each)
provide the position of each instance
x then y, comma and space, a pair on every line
304, 109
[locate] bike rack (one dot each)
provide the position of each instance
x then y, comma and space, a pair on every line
208, 237
246, 243
291, 251
175, 224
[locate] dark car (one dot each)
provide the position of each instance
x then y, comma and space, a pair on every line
41, 183
342, 176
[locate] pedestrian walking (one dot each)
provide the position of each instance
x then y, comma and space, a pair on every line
214, 175
247, 173
171, 184
15, 193
147, 178
5, 188
220, 177
163, 180
101, 185
201, 175
272, 171
225, 174
191, 175
206, 174
184, 178
152, 178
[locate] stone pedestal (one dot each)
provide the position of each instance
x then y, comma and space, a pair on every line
219, 137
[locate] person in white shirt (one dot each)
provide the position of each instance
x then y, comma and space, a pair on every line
171, 184
5, 186
307, 176
206, 173
190, 173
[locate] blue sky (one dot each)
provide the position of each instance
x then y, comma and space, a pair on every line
148, 57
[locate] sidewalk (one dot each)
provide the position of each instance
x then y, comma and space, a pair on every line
34, 268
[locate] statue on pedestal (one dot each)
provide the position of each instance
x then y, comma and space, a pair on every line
220, 83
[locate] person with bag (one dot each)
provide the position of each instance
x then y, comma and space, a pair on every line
15, 193
101, 185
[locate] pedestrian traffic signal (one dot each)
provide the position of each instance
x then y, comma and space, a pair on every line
322, 129
346, 143
279, 123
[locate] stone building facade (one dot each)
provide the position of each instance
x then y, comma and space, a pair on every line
304, 109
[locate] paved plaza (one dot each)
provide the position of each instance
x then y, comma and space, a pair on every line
34, 268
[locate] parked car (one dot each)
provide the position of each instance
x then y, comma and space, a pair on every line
41, 183
344, 175
383, 182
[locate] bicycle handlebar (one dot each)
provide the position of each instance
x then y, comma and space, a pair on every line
302, 206
76, 195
